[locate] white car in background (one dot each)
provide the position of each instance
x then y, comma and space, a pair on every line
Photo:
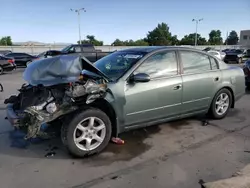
220, 55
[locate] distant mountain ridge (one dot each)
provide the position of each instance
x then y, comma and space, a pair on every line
36, 43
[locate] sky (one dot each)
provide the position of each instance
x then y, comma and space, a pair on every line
52, 21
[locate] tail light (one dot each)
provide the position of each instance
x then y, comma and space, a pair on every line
10, 60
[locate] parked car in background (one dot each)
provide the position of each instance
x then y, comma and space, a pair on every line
46, 54
21, 59
86, 50
4, 52
246, 69
219, 54
125, 90
6, 64
208, 49
246, 55
234, 56
226, 50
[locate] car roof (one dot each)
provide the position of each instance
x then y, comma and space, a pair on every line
149, 49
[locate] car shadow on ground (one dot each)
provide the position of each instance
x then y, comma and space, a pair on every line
12, 144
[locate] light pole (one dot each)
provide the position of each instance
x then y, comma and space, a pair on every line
79, 21
196, 27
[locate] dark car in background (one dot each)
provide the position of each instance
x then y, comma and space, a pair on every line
234, 56
21, 59
246, 55
86, 50
6, 64
246, 69
46, 54
4, 52
49, 53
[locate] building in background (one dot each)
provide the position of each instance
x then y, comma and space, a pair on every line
244, 38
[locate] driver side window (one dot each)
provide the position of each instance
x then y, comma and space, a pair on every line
160, 65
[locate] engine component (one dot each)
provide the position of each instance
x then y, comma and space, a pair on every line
41, 106
51, 107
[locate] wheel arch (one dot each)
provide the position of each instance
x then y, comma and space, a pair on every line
107, 108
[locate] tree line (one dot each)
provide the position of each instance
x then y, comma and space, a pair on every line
161, 36
6, 41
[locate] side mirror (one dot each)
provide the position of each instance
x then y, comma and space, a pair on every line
140, 77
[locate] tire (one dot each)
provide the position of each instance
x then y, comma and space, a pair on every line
1, 70
71, 134
214, 105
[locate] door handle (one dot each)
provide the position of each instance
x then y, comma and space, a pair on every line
216, 79
177, 87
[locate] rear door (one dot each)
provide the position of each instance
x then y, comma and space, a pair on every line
200, 75
161, 96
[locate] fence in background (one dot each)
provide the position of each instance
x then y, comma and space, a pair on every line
34, 50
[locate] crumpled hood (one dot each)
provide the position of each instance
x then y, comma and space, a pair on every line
58, 70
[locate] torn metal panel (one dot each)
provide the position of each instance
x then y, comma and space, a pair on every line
51, 94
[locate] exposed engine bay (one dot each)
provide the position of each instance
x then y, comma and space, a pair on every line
36, 105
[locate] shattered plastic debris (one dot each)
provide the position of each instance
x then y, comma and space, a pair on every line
118, 141
51, 151
50, 154
205, 122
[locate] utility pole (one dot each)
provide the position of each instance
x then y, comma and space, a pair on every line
196, 28
226, 38
79, 21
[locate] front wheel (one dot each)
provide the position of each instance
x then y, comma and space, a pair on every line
221, 104
88, 133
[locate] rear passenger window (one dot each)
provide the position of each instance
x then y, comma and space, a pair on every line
214, 64
194, 62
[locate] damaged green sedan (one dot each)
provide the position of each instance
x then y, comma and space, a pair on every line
125, 90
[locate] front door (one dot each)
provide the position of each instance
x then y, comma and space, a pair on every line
161, 96
200, 78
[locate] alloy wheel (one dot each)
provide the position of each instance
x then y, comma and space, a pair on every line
89, 133
222, 103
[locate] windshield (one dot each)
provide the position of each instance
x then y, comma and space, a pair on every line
41, 54
118, 63
66, 48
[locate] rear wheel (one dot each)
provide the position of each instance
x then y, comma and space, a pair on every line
1, 70
221, 104
88, 133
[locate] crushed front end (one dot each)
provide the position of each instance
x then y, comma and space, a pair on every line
40, 104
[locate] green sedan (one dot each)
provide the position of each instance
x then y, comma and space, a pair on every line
152, 85
125, 90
